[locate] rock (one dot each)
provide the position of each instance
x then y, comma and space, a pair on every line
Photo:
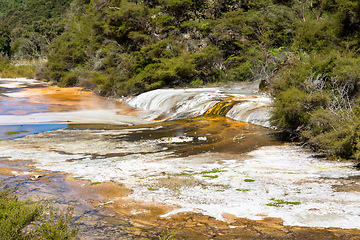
36, 177
263, 85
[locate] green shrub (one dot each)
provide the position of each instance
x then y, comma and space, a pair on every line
30, 219
177, 7
196, 83
9, 69
293, 107
318, 100
164, 21
70, 79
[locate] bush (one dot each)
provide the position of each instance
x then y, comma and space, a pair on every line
9, 69
70, 79
318, 100
30, 219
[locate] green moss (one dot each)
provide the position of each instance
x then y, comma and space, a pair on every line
18, 132
214, 171
249, 180
95, 183
280, 202
210, 176
186, 173
242, 190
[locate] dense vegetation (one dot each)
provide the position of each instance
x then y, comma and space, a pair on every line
30, 219
317, 90
27, 27
127, 47
6, 5
308, 50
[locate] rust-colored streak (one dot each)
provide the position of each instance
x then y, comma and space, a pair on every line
69, 99
22, 101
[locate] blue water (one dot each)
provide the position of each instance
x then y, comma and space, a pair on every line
17, 131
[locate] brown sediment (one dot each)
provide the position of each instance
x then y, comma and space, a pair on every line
126, 218
67, 99
19, 168
113, 213
143, 219
7, 171
99, 192
146, 220
198, 226
115, 196
11, 172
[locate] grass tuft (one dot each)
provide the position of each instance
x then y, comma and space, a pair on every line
167, 235
18, 132
95, 183
249, 180
280, 202
30, 219
77, 177
214, 171
242, 190
211, 176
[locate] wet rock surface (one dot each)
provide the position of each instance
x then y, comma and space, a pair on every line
159, 180
196, 178
124, 219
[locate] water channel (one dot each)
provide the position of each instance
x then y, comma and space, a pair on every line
136, 166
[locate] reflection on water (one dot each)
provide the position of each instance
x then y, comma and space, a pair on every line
29, 107
19, 106
193, 136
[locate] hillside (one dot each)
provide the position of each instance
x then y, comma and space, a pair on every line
306, 50
128, 47
27, 27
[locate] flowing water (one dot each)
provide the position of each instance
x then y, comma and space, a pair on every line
165, 153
